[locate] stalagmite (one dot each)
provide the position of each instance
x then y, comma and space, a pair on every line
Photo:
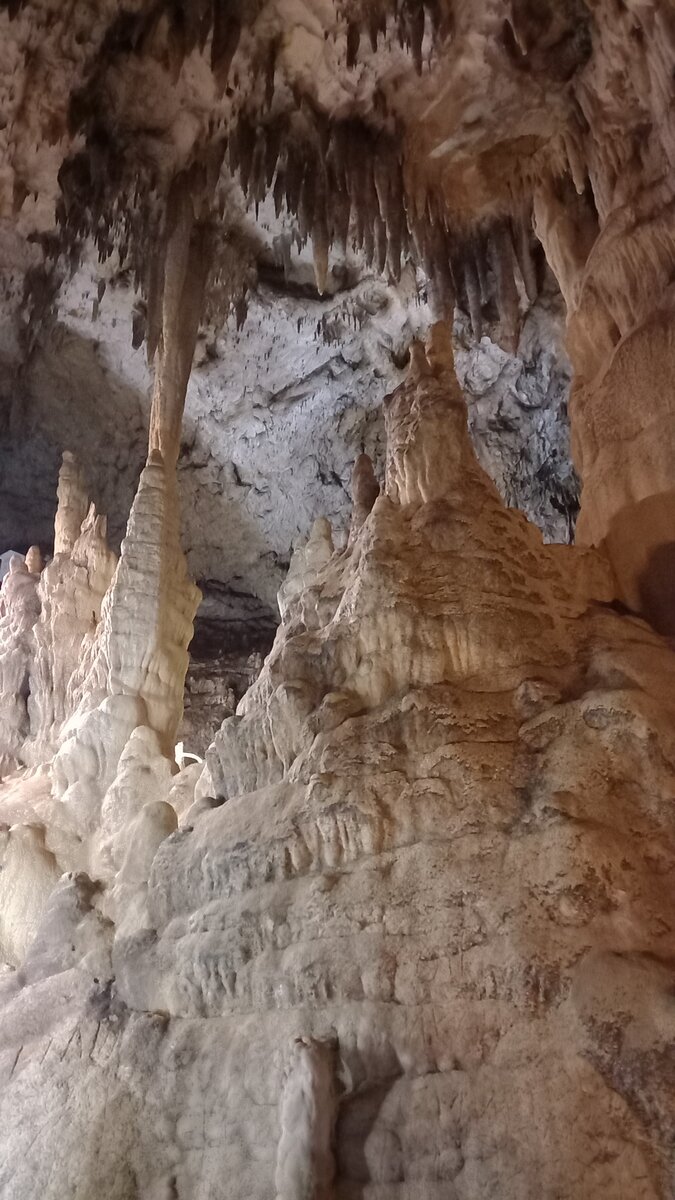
34, 562
135, 673
146, 625
73, 503
19, 609
433, 857
70, 594
365, 490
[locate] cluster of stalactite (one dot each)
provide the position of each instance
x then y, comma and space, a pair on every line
134, 220
347, 182
120, 199
411, 22
355, 180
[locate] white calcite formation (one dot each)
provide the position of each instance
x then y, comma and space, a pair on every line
133, 678
415, 936
105, 668
19, 610
70, 592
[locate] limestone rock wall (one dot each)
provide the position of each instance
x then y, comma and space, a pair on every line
415, 936
610, 239
275, 416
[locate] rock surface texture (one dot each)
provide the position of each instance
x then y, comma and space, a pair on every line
415, 935
275, 415
404, 929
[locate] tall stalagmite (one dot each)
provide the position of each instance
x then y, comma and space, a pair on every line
135, 674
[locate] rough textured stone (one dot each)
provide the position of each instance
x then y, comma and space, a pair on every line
408, 932
275, 418
422, 945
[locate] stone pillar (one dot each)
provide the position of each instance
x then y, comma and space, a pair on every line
184, 279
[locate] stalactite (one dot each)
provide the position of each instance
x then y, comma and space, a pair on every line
353, 44
271, 53
258, 185
245, 142
416, 15
225, 39
507, 292
272, 135
382, 180
481, 261
186, 267
576, 160
307, 202
294, 173
381, 244
279, 192
396, 222
377, 26
155, 293
522, 243
473, 294
341, 212
320, 239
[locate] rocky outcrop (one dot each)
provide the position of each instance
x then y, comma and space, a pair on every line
419, 939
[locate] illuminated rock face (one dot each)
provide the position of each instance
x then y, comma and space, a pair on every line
415, 936
408, 933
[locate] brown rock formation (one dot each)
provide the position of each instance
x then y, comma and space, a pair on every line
613, 250
435, 853
410, 934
